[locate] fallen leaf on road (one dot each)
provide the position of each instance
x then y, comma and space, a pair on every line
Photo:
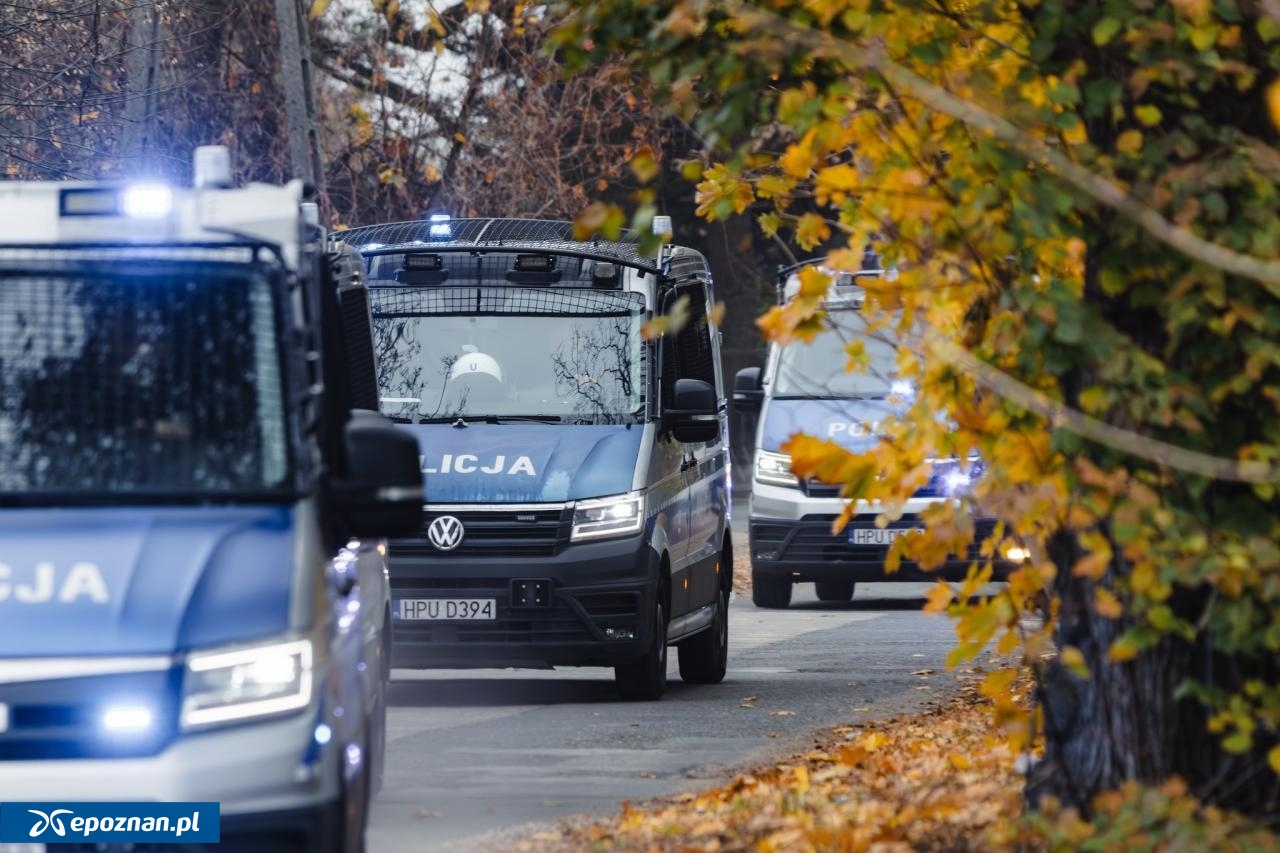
924, 672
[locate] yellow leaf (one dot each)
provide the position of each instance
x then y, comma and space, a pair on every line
645, 165
811, 229
831, 185
318, 8
797, 161
773, 186
598, 218
1273, 758
814, 282
717, 313
802, 779
938, 598
1092, 565
1073, 659
874, 741
1107, 605
1129, 142
1273, 102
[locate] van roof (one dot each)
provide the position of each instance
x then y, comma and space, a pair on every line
454, 235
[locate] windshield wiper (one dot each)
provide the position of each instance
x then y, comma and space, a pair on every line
511, 419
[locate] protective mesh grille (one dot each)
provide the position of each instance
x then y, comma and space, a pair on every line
409, 301
531, 234
496, 268
158, 378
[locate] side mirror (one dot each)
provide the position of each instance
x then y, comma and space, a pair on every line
694, 413
381, 496
748, 390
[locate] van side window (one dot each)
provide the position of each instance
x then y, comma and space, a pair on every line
688, 353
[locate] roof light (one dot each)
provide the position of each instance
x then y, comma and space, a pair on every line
146, 201
423, 262
535, 263
212, 167
604, 273
662, 226
440, 226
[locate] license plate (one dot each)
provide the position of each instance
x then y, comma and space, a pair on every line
22, 848
877, 536
447, 609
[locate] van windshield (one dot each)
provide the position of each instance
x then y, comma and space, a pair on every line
139, 380
509, 352
817, 369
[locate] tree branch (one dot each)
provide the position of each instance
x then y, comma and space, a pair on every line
1091, 184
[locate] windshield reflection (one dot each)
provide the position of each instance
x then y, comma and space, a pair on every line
817, 369
568, 361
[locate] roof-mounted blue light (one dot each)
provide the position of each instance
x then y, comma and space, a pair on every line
146, 201
439, 226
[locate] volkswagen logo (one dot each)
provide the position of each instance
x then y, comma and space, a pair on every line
445, 533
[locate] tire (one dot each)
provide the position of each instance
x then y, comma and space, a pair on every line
770, 592
704, 658
834, 590
646, 679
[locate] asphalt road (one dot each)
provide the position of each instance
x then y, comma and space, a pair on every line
474, 755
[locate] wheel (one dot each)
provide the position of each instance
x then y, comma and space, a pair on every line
770, 591
834, 590
646, 679
705, 657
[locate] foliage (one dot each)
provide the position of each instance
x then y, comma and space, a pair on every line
122, 89
1081, 200
462, 111
940, 780
943, 780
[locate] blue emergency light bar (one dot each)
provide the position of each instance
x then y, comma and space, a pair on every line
137, 201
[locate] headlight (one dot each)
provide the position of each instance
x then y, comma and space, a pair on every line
606, 517
232, 685
775, 469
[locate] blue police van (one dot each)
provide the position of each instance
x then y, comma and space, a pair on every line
576, 467
193, 490
806, 388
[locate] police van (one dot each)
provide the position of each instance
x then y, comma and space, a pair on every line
805, 388
193, 491
576, 467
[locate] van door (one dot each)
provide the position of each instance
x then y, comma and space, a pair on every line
695, 357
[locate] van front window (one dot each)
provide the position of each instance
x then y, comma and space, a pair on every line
123, 381
817, 369
558, 355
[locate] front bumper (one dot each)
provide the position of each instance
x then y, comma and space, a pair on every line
595, 589
254, 771
790, 536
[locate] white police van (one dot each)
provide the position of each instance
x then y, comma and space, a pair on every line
187, 457
805, 388
576, 469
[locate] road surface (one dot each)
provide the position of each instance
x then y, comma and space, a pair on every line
474, 755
